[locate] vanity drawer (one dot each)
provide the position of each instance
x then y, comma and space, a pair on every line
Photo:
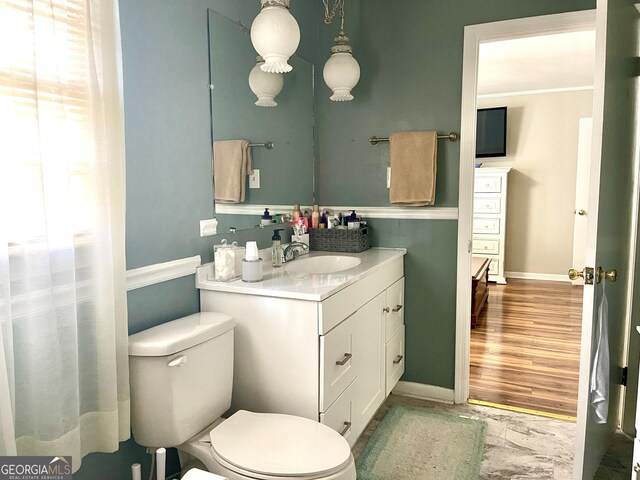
488, 184
394, 318
336, 363
484, 204
486, 225
344, 303
488, 246
394, 360
340, 415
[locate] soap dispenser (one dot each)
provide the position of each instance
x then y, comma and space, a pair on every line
266, 218
276, 248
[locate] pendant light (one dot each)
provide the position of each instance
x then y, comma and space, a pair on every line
275, 35
341, 72
265, 85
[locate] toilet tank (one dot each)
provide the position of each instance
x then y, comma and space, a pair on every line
181, 377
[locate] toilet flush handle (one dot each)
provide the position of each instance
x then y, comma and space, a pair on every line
178, 361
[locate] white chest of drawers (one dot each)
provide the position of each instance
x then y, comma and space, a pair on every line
490, 218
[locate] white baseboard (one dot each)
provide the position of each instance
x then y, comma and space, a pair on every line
424, 392
547, 277
161, 272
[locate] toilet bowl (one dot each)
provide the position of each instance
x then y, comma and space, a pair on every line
181, 377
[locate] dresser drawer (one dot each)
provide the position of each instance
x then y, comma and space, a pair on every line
484, 246
494, 267
394, 355
486, 225
394, 318
336, 363
488, 184
484, 204
341, 414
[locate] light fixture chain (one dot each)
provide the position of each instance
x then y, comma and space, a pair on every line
330, 13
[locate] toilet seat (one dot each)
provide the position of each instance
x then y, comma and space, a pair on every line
274, 446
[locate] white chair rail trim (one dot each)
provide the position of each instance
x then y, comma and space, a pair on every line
405, 213
161, 272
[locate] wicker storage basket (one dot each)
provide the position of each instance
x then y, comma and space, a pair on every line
338, 240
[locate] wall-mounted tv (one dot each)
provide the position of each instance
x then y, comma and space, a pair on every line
491, 132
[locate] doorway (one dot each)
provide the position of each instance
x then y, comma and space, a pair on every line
525, 346
547, 27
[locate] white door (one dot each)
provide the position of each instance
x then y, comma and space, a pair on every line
611, 203
583, 174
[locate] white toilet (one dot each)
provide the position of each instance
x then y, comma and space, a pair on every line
181, 375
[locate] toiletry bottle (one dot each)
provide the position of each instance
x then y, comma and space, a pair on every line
353, 222
315, 217
276, 248
296, 212
266, 218
323, 221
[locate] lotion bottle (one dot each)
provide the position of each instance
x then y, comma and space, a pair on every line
315, 217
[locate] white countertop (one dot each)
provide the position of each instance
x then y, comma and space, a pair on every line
279, 282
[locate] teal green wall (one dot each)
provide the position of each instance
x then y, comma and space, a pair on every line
430, 294
410, 54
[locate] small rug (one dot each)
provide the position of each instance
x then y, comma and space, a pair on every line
417, 444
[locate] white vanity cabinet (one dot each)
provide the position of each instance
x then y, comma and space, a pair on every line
334, 360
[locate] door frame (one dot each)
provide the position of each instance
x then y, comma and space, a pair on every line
474, 35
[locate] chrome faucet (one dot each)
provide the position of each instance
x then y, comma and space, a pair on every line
293, 250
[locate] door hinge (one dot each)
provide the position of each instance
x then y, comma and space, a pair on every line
469, 246
625, 373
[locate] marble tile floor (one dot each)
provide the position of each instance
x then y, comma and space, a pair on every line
518, 446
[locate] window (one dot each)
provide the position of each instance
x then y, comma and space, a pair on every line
44, 119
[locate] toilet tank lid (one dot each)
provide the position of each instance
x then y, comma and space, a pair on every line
177, 335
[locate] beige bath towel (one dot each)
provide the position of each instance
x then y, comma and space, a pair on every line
413, 168
231, 165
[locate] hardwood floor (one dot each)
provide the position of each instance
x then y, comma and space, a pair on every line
525, 350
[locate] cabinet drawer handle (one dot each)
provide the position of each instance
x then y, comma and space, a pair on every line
397, 309
386, 309
347, 357
347, 426
398, 359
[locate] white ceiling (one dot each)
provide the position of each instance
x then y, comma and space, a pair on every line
548, 62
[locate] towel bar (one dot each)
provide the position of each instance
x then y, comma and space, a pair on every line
268, 145
452, 137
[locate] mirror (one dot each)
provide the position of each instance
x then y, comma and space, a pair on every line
286, 170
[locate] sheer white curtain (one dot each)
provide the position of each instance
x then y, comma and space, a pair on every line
64, 386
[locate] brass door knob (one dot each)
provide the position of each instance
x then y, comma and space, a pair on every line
575, 274
588, 275
582, 213
609, 275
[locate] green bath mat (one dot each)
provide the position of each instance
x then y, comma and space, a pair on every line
416, 444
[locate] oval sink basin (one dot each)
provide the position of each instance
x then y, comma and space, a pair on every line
323, 265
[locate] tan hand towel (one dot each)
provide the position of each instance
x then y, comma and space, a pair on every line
231, 164
413, 168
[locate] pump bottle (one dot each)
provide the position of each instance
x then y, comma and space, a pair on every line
276, 248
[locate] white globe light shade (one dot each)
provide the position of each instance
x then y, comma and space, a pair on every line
275, 35
341, 73
265, 85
